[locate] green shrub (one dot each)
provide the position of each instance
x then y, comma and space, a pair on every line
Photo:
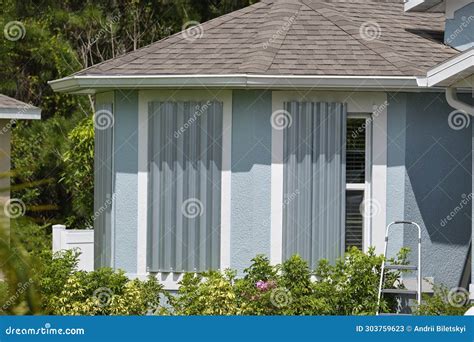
105, 292
209, 293
444, 301
78, 175
66, 291
349, 287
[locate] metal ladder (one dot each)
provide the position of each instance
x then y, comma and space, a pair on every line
386, 266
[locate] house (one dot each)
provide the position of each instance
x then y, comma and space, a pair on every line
289, 126
11, 110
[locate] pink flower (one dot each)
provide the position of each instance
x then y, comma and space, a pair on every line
262, 285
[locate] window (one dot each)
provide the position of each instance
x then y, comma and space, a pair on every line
325, 173
314, 181
357, 170
185, 185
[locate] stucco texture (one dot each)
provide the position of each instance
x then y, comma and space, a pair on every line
429, 179
251, 176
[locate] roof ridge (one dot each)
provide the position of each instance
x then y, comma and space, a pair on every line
369, 44
270, 37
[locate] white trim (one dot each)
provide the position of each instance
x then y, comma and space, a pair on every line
452, 71
90, 84
366, 187
26, 113
103, 99
170, 281
423, 6
142, 200
356, 186
276, 229
379, 172
226, 180
146, 96
357, 102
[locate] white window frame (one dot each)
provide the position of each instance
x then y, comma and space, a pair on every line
374, 103
367, 185
170, 280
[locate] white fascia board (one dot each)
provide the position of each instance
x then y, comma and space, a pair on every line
424, 6
91, 84
452, 71
26, 113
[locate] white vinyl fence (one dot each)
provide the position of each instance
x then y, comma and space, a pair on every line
81, 239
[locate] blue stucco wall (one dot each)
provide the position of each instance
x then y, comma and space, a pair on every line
433, 167
126, 180
396, 170
459, 31
251, 176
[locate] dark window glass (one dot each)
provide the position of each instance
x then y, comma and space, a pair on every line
354, 219
355, 151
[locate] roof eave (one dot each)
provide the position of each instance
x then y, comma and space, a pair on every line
452, 71
20, 113
96, 83
424, 6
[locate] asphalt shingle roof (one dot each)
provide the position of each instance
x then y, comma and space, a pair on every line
7, 102
297, 37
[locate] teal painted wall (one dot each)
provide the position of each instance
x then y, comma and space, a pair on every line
431, 162
251, 176
459, 31
126, 180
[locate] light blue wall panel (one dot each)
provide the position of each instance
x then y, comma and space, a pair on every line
251, 176
396, 171
459, 31
438, 175
126, 180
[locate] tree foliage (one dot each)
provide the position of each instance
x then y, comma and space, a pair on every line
60, 38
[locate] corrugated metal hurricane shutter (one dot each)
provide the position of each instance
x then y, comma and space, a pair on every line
185, 203
103, 178
314, 181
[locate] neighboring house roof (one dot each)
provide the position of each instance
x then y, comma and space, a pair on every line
11, 108
336, 38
